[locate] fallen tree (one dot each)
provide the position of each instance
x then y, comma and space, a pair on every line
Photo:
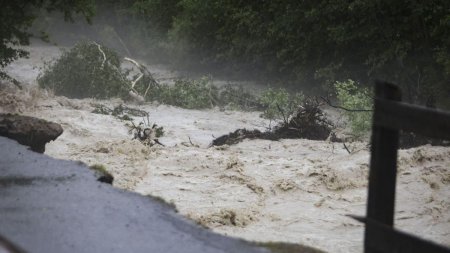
145, 76
93, 70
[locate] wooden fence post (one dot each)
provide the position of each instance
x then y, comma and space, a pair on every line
383, 165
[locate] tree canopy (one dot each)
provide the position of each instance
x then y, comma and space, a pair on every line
16, 18
306, 44
319, 42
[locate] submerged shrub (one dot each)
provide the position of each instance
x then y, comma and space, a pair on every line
279, 103
190, 94
353, 97
86, 70
196, 94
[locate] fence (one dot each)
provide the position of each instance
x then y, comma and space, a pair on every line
391, 116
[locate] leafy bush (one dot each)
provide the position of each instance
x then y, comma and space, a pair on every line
279, 103
191, 94
202, 93
84, 71
351, 96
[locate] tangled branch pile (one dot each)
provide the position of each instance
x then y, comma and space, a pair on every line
121, 111
145, 133
308, 122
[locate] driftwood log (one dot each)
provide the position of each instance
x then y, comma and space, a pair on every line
29, 131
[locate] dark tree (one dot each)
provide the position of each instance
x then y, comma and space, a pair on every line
16, 19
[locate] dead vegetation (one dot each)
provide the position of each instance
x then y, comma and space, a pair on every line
145, 131
308, 122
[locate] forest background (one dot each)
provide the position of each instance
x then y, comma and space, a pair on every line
302, 45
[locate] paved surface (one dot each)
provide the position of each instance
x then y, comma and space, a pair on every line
49, 205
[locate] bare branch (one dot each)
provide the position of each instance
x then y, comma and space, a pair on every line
102, 52
328, 102
148, 88
346, 148
133, 61
282, 114
144, 73
158, 142
137, 80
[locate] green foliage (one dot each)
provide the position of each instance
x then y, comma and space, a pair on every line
311, 43
308, 44
102, 173
352, 97
84, 71
195, 94
279, 103
160, 13
99, 168
16, 17
202, 93
159, 131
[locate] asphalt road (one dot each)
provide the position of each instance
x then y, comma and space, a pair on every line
49, 205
